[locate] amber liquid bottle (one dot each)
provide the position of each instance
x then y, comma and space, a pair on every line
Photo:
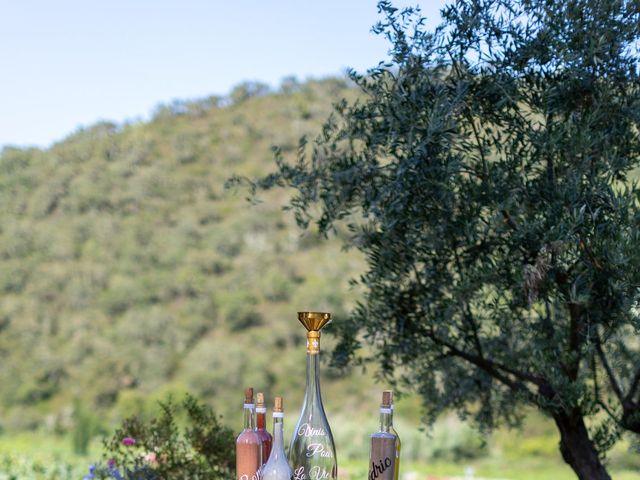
261, 430
248, 445
382, 459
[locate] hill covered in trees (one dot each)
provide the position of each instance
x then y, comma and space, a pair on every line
128, 272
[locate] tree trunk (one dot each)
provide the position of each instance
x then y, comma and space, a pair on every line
577, 448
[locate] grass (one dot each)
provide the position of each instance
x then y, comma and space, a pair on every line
488, 468
29, 456
26, 456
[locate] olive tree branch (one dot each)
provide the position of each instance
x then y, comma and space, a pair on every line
615, 386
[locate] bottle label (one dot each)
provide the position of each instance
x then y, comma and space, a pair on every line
315, 473
318, 449
382, 461
316, 459
307, 431
382, 469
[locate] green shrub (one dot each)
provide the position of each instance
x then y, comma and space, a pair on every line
165, 448
238, 309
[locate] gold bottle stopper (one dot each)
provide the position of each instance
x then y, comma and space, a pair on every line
277, 404
260, 399
387, 399
248, 395
313, 322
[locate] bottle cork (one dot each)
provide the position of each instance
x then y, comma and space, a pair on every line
387, 398
277, 404
260, 399
248, 395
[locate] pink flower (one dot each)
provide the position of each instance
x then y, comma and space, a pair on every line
128, 441
151, 458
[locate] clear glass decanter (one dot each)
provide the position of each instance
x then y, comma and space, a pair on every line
277, 467
312, 453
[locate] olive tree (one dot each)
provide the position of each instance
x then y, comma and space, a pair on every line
487, 174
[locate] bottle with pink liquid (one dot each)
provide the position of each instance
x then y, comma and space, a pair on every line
248, 444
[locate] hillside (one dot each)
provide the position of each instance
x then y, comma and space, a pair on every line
127, 271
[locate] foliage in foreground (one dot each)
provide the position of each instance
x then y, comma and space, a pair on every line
203, 448
161, 448
486, 177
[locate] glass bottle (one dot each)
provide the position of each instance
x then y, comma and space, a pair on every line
248, 446
312, 453
261, 429
398, 443
277, 467
382, 457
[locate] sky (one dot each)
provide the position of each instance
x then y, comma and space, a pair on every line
71, 63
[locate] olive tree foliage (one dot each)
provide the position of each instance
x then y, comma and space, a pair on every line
486, 172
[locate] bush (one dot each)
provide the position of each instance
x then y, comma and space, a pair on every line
160, 449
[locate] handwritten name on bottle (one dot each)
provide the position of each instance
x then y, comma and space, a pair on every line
377, 469
307, 430
252, 477
315, 473
318, 449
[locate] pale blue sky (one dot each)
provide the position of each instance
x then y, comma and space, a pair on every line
69, 63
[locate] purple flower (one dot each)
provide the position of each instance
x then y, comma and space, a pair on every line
128, 441
91, 475
115, 473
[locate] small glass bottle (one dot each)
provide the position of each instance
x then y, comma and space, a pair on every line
277, 467
312, 453
382, 458
261, 429
398, 443
248, 446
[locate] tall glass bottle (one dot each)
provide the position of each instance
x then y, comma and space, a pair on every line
398, 443
248, 446
261, 429
277, 467
312, 453
382, 457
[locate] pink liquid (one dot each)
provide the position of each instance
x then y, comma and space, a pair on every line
248, 455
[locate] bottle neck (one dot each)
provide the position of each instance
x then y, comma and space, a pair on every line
261, 421
249, 418
278, 425
386, 419
312, 388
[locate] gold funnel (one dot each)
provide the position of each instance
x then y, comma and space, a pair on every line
314, 321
